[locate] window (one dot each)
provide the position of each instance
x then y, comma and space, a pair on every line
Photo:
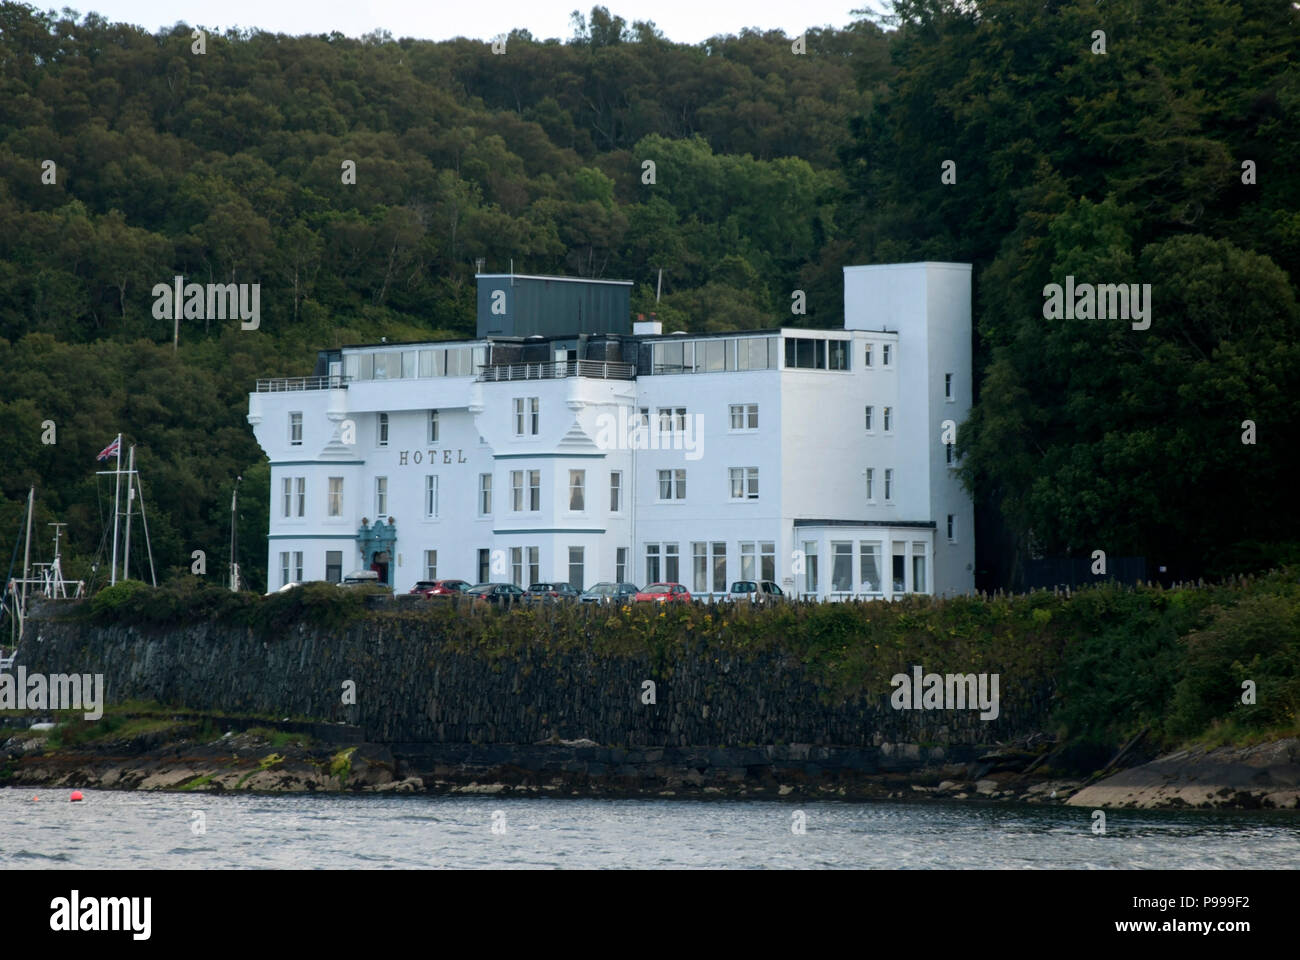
889, 419
516, 490
918, 568
527, 416
672, 484
433, 426
672, 419
810, 564
805, 353
431, 564
886, 353
381, 434
335, 502
300, 488
485, 494
409, 361
952, 528
747, 562
333, 566
744, 485
381, 496
297, 566
577, 577
295, 429
287, 486
842, 566
900, 565
615, 491
870, 410
871, 484
837, 354
947, 386
670, 563
889, 486
517, 567
700, 567
534, 489
284, 567
744, 416
651, 563
577, 490
484, 565
620, 565
870, 567
719, 567
767, 560
431, 496
866, 356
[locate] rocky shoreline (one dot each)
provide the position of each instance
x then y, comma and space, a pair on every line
260, 760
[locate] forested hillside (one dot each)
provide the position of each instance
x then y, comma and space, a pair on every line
773, 170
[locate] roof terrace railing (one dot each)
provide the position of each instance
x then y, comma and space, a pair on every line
558, 370
285, 384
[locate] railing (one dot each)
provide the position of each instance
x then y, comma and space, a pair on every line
557, 370
284, 384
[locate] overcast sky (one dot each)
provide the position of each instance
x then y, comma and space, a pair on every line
686, 21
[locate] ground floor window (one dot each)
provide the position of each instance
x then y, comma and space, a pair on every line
651, 563
484, 565
900, 569
671, 569
431, 564
534, 565
918, 568
620, 565
700, 567
284, 567
576, 564
869, 564
842, 566
719, 567
810, 566
333, 565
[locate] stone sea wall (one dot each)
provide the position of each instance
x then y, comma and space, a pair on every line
409, 686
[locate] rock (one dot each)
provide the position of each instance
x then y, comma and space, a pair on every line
946, 785
986, 786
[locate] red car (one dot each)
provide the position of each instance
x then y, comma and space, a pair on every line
664, 593
440, 588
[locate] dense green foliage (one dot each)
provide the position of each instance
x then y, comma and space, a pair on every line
1122, 167
773, 170
1113, 660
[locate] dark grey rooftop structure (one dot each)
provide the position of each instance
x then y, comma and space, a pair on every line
522, 305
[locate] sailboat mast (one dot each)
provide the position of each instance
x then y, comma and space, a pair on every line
117, 492
144, 520
27, 549
130, 495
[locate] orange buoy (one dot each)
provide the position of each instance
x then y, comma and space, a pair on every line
76, 795
34, 799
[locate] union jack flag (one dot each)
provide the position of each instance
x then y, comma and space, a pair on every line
114, 449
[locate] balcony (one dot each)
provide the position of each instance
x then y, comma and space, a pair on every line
290, 384
557, 370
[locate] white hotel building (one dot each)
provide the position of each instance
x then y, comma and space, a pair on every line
561, 446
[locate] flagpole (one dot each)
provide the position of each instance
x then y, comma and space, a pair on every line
117, 493
130, 495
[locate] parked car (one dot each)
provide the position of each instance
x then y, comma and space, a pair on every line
364, 578
756, 591
610, 592
497, 594
550, 593
664, 593
440, 588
